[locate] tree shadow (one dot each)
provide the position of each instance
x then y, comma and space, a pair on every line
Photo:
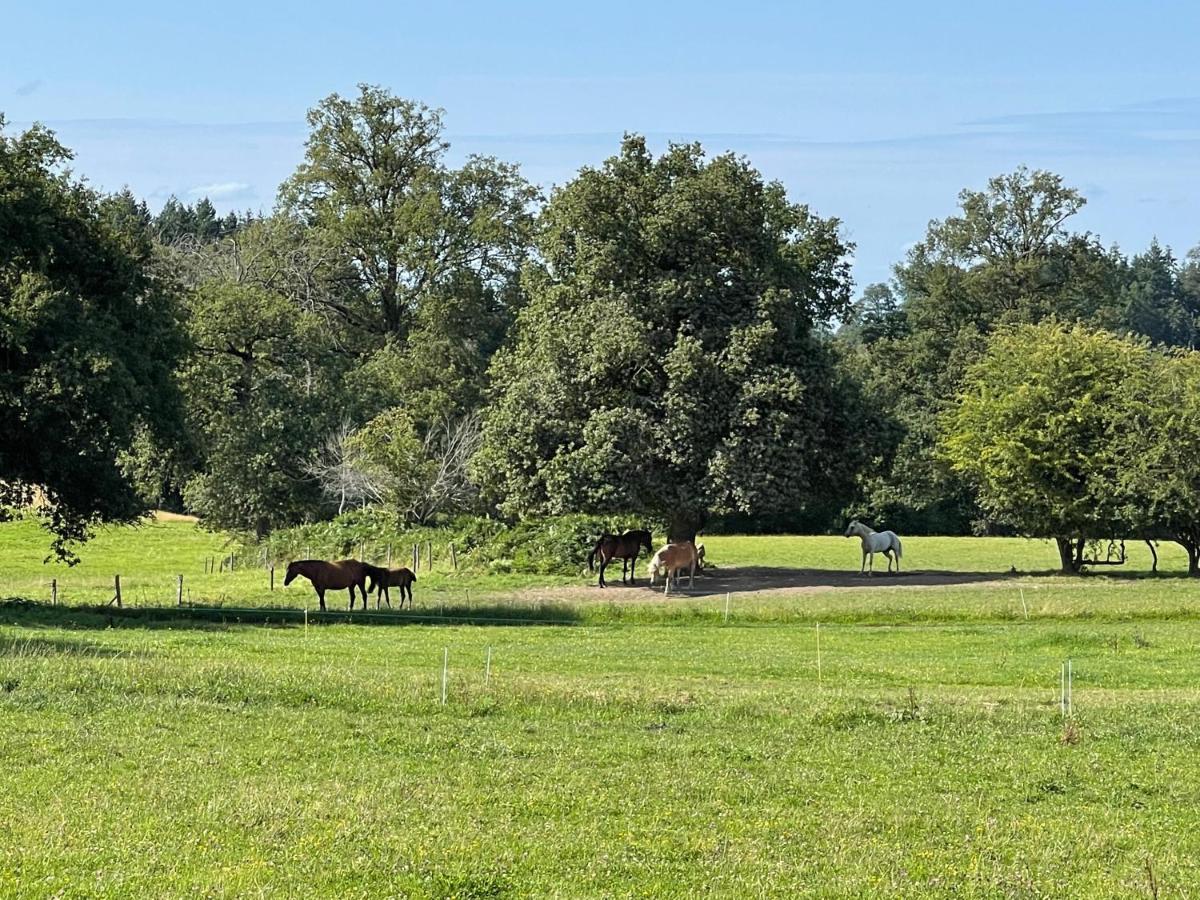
745, 579
27, 614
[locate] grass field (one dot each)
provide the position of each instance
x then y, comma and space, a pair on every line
649, 749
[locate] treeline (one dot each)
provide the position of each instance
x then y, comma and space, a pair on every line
665, 336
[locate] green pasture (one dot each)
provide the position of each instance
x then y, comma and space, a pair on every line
648, 749
151, 556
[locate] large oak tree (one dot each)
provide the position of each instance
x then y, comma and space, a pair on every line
668, 361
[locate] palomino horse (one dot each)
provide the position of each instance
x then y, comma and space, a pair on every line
624, 547
331, 576
673, 559
873, 542
382, 579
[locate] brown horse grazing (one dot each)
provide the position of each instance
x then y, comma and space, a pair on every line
330, 576
382, 579
673, 559
624, 547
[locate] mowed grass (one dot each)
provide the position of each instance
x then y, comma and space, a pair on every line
648, 750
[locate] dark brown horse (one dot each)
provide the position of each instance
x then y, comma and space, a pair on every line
624, 547
382, 579
331, 576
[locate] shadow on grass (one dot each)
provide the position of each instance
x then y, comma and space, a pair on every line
713, 581
28, 647
15, 611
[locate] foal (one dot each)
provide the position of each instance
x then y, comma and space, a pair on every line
382, 579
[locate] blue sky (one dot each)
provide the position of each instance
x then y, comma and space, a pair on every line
877, 113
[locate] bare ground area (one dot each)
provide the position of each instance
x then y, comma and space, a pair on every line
764, 581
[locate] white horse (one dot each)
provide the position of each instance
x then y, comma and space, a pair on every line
873, 542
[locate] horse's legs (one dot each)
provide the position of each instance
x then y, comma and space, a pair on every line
321, 597
863, 569
692, 576
633, 568
352, 598
603, 564
624, 569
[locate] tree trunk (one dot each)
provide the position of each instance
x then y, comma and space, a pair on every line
1192, 546
684, 525
1066, 555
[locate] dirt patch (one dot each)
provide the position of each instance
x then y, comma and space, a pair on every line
767, 581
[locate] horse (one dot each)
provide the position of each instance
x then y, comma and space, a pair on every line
673, 559
873, 542
624, 547
382, 579
326, 576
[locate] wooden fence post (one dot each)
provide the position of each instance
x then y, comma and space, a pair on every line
272, 578
416, 557
389, 556
54, 592
117, 598
179, 592
453, 558
429, 556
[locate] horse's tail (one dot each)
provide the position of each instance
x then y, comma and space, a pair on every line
376, 574
592, 555
896, 541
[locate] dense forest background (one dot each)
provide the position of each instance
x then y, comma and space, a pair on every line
664, 336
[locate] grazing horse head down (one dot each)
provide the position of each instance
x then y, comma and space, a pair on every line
673, 559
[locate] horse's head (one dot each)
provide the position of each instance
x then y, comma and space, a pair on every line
293, 570
654, 567
855, 527
646, 541
700, 555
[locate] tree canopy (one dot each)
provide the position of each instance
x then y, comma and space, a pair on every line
88, 341
667, 358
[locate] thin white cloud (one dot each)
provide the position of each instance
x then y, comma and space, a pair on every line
29, 87
222, 190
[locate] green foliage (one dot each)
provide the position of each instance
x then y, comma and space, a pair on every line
262, 390
1033, 430
536, 546
375, 189
666, 359
177, 221
88, 341
1158, 441
1005, 260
